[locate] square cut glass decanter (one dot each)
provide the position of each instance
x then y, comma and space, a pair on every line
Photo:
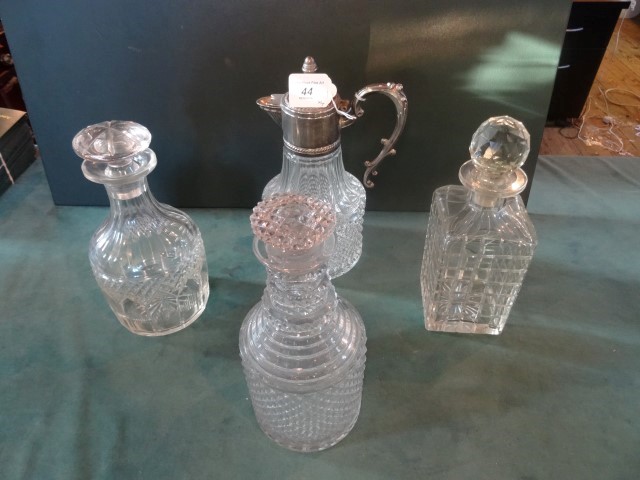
480, 239
302, 346
147, 257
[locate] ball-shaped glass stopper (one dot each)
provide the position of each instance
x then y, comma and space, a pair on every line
500, 145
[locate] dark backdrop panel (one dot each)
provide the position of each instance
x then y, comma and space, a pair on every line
190, 70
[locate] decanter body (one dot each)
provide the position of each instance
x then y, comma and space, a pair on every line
148, 258
312, 157
325, 178
480, 239
302, 346
474, 262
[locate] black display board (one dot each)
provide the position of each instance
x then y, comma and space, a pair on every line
191, 70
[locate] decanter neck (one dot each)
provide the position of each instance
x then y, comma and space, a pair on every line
134, 196
482, 200
295, 167
299, 297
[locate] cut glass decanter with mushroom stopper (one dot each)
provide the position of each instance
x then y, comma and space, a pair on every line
147, 257
480, 239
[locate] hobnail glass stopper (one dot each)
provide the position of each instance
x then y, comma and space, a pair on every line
112, 140
292, 223
500, 144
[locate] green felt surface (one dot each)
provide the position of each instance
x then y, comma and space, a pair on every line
556, 396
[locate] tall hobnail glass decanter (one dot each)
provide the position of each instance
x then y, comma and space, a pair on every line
148, 258
480, 239
312, 157
302, 346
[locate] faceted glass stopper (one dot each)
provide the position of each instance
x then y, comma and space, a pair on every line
500, 145
291, 222
113, 140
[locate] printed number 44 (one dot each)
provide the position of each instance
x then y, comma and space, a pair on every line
307, 91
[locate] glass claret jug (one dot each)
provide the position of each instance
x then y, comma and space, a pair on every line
302, 346
480, 239
311, 115
148, 258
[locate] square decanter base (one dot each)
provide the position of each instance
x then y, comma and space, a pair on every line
463, 327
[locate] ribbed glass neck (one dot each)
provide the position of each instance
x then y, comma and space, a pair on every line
130, 197
299, 297
302, 172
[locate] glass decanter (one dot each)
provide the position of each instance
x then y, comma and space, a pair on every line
480, 239
302, 346
312, 158
148, 258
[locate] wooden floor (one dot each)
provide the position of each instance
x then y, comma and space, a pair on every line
620, 69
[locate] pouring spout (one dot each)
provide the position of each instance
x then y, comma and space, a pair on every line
271, 105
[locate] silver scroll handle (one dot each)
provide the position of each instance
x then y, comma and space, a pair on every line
395, 93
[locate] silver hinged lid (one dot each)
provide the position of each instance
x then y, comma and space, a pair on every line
316, 131
307, 131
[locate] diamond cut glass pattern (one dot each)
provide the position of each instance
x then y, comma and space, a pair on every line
326, 179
